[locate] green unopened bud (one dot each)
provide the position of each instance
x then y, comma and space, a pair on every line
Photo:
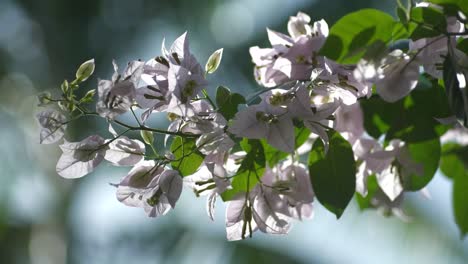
88, 97
147, 136
65, 87
67, 106
213, 61
85, 70
44, 98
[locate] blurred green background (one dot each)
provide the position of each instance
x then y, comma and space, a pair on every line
46, 219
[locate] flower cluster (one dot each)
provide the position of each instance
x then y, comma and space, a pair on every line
252, 154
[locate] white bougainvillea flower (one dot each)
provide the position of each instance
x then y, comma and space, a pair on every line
116, 96
185, 77
268, 215
362, 148
155, 96
264, 121
115, 99
233, 162
170, 187
201, 120
318, 123
290, 58
350, 122
210, 180
395, 76
256, 211
388, 207
342, 76
151, 187
390, 165
298, 103
179, 54
431, 52
152, 98
299, 25
80, 158
53, 125
123, 151
345, 96
133, 188
214, 142
292, 183
155, 72
300, 59
184, 84
239, 220
178, 51
264, 73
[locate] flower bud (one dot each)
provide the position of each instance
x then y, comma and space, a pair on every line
85, 70
147, 136
65, 87
213, 62
44, 98
88, 97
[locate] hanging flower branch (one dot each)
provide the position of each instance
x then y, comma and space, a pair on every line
355, 110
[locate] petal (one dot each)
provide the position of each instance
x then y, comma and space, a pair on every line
389, 182
267, 220
53, 125
125, 152
171, 185
278, 39
79, 159
181, 47
159, 209
281, 135
398, 78
245, 124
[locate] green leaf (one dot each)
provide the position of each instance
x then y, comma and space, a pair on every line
353, 33
457, 103
454, 164
427, 154
379, 115
458, 4
85, 70
462, 45
451, 162
213, 61
415, 122
400, 32
250, 170
187, 159
228, 102
410, 119
273, 156
460, 204
427, 22
333, 175
401, 13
